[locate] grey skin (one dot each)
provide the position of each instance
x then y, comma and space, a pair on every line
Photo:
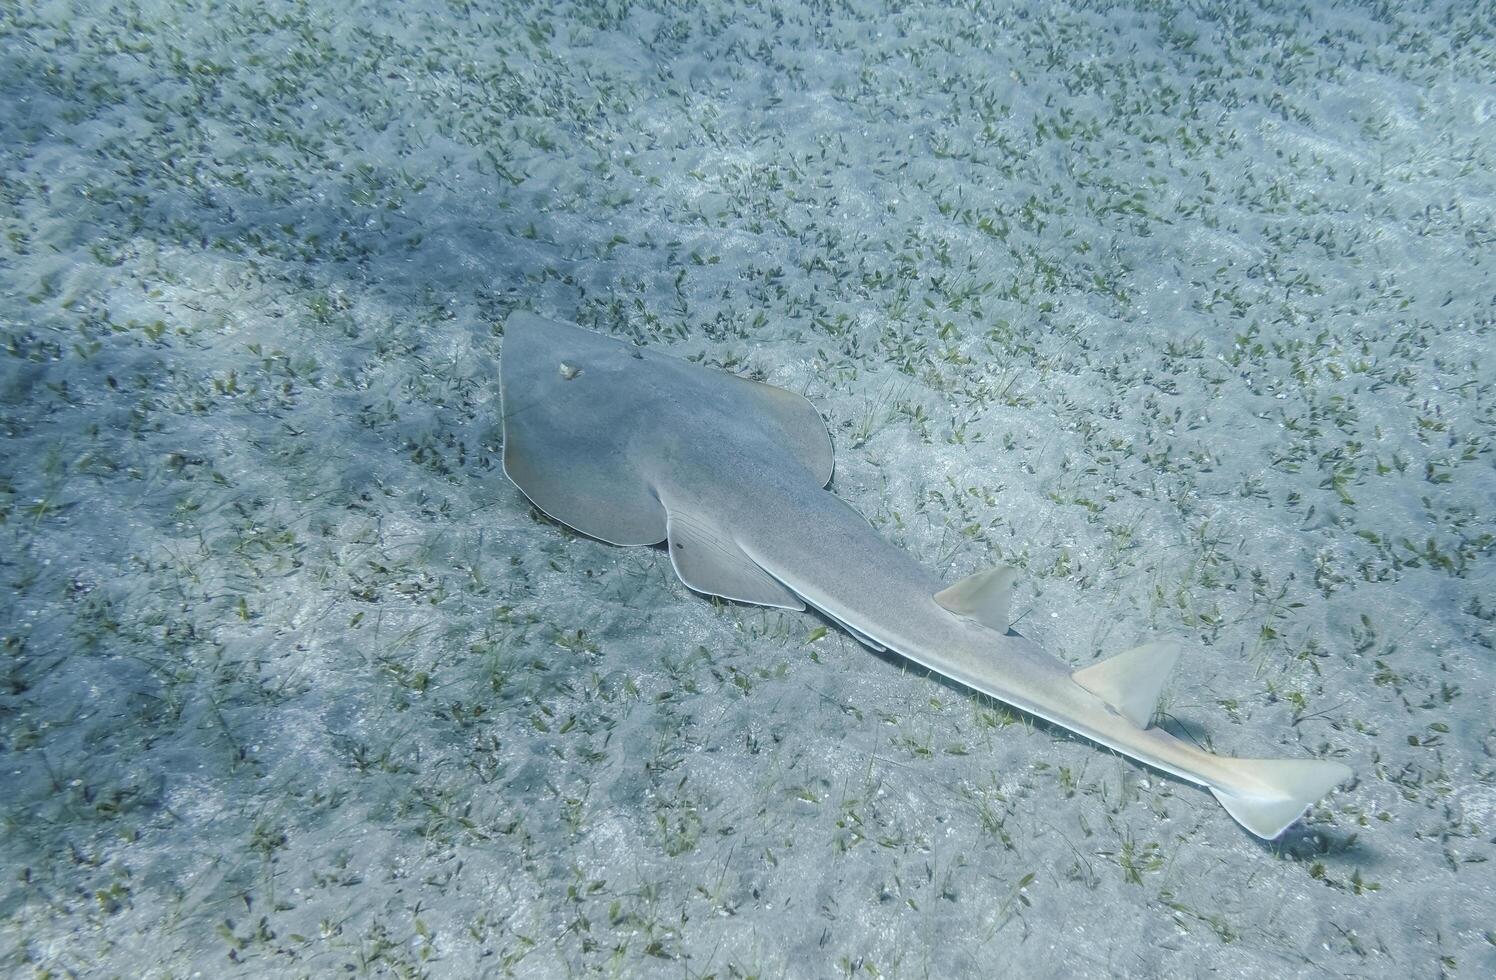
635, 447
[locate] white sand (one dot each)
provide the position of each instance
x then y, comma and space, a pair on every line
1189, 316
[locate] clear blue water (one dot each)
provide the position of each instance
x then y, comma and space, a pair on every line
1186, 313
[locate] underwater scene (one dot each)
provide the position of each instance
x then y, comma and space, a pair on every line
343, 346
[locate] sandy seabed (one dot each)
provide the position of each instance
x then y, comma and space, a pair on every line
1186, 313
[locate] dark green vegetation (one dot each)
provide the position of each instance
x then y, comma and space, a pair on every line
1187, 316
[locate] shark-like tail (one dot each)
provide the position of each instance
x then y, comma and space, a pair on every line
1277, 792
1286, 788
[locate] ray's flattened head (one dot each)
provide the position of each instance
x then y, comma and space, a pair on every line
568, 406
582, 410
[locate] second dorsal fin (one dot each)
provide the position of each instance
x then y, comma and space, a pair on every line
984, 597
1131, 681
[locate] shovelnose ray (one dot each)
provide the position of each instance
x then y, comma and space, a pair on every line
635, 447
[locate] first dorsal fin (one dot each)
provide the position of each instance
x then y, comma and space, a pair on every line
1131, 682
984, 597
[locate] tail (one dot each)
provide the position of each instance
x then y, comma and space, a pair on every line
1281, 790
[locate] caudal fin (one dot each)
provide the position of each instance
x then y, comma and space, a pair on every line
1282, 789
